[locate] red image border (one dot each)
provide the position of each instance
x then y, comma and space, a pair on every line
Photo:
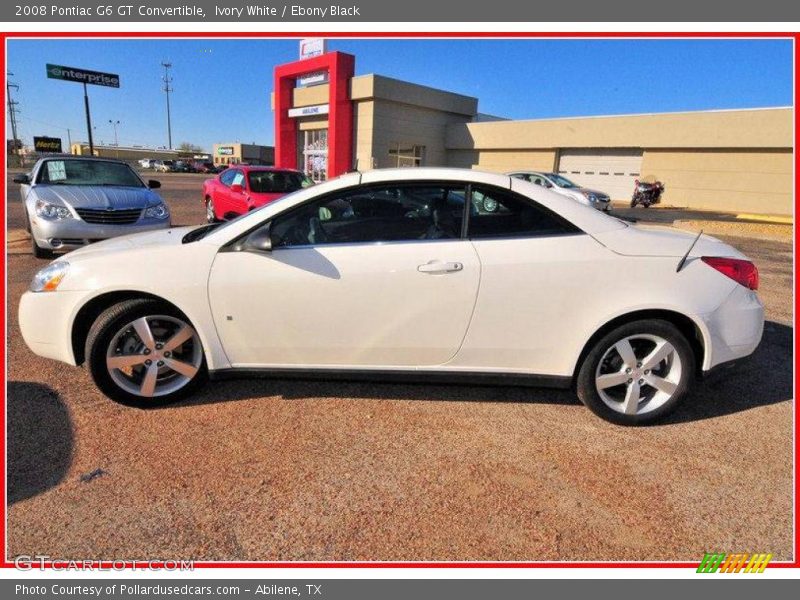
4, 36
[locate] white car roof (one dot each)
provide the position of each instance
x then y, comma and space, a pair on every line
586, 218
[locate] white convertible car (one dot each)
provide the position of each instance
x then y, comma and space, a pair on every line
405, 273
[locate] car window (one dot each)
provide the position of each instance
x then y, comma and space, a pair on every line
87, 172
497, 213
238, 178
277, 182
227, 177
386, 213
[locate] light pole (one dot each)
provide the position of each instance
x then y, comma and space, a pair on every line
167, 89
12, 113
114, 124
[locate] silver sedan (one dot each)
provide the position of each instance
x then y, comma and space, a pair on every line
71, 201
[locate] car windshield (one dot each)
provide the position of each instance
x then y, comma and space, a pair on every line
561, 181
277, 182
87, 172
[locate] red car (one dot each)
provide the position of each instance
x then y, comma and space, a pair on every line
242, 188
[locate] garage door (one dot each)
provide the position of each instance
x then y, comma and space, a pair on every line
610, 171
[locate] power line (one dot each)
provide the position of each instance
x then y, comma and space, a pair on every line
167, 89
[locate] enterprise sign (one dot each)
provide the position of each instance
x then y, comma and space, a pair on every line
309, 111
82, 76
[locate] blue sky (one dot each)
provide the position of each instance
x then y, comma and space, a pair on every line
222, 86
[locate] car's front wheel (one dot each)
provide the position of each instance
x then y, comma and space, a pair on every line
144, 353
637, 373
211, 211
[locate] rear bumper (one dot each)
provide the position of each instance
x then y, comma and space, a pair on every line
734, 330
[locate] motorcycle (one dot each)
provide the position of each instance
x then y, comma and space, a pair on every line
646, 194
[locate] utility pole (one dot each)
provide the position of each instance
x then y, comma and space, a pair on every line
12, 113
168, 88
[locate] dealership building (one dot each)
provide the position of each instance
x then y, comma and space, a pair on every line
329, 121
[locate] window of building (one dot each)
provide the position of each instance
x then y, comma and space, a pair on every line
497, 213
406, 155
385, 213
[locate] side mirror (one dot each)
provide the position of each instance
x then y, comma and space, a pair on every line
258, 241
153, 184
23, 178
237, 188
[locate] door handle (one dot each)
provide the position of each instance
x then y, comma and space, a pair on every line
437, 266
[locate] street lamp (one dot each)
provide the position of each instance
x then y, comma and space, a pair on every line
114, 125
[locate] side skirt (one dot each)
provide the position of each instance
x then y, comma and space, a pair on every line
397, 376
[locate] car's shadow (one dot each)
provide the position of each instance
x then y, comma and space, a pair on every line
40, 439
764, 378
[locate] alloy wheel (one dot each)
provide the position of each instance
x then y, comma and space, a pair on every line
210, 215
154, 356
638, 374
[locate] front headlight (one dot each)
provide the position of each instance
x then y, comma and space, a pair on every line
52, 212
590, 197
159, 211
49, 278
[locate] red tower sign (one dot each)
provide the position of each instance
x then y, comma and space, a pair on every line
340, 68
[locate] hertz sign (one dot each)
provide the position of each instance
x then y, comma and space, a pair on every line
47, 144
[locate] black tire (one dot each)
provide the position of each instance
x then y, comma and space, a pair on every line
633, 203
587, 388
101, 335
40, 252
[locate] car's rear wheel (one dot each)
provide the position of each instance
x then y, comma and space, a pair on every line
144, 353
637, 373
211, 214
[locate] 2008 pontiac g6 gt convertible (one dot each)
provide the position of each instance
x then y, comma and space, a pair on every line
446, 273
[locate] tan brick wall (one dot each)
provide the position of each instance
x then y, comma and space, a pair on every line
503, 161
758, 181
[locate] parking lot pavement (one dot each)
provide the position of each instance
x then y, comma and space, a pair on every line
293, 470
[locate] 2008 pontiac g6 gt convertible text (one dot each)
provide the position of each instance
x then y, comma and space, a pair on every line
449, 273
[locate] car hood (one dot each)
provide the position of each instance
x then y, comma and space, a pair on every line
580, 191
641, 240
160, 238
584, 190
93, 196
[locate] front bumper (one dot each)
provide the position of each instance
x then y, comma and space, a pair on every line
45, 321
66, 234
603, 205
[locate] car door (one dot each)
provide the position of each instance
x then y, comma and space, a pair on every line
376, 276
222, 193
238, 197
541, 278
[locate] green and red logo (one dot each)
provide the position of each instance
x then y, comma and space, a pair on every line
734, 563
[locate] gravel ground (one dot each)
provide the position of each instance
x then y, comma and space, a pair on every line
291, 470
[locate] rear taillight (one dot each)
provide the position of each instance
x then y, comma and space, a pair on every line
742, 272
